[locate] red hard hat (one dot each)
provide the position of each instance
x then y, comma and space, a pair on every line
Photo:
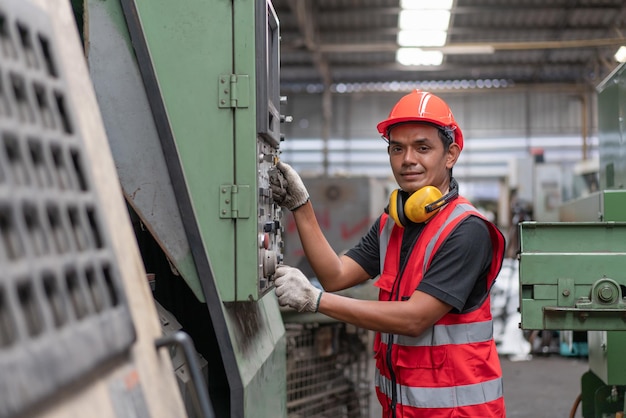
421, 106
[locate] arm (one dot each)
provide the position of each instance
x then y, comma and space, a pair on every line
455, 276
409, 317
334, 272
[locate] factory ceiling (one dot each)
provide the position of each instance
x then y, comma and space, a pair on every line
332, 44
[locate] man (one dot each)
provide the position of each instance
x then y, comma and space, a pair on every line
437, 258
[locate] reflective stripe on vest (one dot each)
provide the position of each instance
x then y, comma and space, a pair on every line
474, 332
443, 397
383, 241
458, 211
385, 234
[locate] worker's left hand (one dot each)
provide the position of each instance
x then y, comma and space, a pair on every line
291, 192
295, 290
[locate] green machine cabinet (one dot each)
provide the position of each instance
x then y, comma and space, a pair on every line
209, 71
189, 96
573, 277
219, 90
573, 273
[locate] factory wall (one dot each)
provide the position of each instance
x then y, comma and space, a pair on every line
499, 126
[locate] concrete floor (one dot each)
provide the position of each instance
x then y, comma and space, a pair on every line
545, 386
542, 387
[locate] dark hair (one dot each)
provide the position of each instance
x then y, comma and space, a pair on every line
446, 136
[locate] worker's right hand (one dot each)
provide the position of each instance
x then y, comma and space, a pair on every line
290, 193
293, 289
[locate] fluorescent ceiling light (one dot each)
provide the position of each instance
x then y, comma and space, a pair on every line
422, 38
424, 19
426, 4
620, 55
469, 49
422, 23
416, 56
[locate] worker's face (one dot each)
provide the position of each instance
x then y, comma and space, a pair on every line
418, 157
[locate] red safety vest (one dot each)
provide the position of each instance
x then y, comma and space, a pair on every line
452, 369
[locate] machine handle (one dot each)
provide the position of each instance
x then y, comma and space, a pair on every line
199, 391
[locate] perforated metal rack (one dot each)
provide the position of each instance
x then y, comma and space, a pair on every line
63, 311
328, 370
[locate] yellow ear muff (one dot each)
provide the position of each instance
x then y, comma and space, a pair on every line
404, 209
421, 205
393, 207
415, 206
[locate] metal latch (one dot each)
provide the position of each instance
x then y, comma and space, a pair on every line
235, 201
233, 91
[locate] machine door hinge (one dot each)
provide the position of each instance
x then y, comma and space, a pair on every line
233, 91
235, 201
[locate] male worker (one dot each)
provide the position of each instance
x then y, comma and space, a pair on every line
437, 258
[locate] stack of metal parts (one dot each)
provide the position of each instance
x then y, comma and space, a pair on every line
328, 370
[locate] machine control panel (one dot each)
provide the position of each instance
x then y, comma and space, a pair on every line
270, 229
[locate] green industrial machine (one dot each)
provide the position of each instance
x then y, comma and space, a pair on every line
573, 273
189, 96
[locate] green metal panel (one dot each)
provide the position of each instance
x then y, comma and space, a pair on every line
614, 205
258, 337
245, 139
188, 55
570, 275
573, 237
606, 356
206, 58
600, 400
199, 64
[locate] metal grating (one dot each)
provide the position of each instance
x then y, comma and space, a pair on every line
327, 371
62, 307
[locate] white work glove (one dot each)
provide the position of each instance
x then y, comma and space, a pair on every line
287, 187
295, 290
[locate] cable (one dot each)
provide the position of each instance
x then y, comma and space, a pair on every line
572, 413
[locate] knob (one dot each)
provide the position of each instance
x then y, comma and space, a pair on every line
270, 261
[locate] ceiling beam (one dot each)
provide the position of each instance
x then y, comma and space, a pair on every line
355, 13
493, 31
305, 16
467, 48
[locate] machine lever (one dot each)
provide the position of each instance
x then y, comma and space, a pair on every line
199, 391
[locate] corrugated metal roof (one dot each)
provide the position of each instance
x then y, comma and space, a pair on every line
535, 41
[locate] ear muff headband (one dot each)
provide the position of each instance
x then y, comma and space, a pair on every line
451, 195
421, 205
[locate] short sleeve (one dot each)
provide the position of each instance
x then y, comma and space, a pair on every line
366, 252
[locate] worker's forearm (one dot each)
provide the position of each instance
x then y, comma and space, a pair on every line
319, 253
390, 317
